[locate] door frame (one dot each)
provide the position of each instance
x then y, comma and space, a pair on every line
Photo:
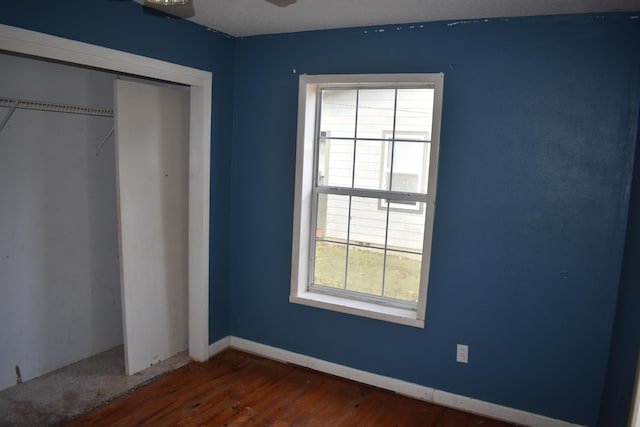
18, 40
634, 412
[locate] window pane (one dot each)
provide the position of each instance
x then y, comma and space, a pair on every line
375, 112
365, 270
370, 162
330, 264
414, 113
335, 162
406, 228
368, 222
410, 166
338, 113
402, 276
333, 217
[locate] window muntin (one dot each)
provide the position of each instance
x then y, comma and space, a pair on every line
410, 169
370, 147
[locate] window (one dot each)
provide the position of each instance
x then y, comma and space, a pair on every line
410, 166
365, 193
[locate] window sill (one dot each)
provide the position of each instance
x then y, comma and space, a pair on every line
358, 308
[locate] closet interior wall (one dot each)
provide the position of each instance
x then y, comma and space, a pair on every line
59, 267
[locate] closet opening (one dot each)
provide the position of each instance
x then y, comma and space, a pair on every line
62, 193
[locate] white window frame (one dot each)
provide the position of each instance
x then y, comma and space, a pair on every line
303, 219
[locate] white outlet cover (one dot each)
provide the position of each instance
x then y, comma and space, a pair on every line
462, 353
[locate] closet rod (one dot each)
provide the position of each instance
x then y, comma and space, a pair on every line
26, 104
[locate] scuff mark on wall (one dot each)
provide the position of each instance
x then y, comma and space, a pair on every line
213, 30
469, 21
398, 28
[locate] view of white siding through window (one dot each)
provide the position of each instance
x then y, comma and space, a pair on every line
372, 169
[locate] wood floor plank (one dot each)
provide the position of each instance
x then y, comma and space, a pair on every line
239, 389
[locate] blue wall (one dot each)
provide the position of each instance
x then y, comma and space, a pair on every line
539, 126
123, 25
625, 344
538, 131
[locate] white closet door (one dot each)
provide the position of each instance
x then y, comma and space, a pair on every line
152, 148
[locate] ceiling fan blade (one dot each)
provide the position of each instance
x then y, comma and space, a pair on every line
282, 3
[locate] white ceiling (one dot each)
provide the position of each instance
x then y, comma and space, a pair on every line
253, 17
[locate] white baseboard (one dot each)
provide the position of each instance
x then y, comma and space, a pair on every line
219, 346
417, 391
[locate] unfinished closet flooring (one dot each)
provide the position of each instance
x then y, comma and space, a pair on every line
240, 389
55, 398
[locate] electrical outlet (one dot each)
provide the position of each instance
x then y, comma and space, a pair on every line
462, 353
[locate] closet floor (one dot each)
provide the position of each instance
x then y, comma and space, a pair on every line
58, 396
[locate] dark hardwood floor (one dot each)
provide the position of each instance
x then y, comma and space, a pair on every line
240, 389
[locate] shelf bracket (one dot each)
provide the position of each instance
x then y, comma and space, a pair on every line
8, 116
104, 141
